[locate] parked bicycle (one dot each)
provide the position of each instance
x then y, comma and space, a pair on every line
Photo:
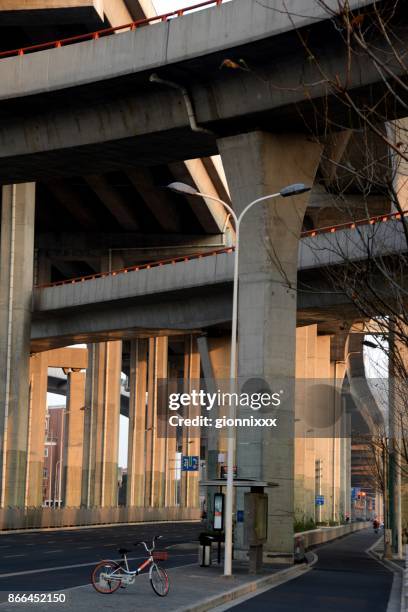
109, 575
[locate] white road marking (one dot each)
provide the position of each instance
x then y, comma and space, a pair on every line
84, 547
46, 552
10, 556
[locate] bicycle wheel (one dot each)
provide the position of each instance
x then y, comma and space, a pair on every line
106, 578
159, 580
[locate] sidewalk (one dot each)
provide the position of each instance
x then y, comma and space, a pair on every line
192, 588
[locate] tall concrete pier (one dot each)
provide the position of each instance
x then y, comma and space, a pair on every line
258, 164
16, 284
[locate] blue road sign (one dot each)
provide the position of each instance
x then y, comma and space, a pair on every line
354, 492
319, 500
240, 516
190, 463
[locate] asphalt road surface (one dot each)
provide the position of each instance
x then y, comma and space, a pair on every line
54, 560
345, 579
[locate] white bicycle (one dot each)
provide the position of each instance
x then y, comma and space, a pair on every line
108, 576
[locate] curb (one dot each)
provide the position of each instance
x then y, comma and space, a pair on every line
251, 587
396, 599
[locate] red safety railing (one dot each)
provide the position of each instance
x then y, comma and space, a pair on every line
147, 266
62, 42
353, 224
174, 260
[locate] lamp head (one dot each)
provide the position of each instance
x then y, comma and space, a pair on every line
294, 190
183, 188
370, 344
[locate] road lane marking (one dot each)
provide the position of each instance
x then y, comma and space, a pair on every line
65, 567
46, 552
10, 556
84, 547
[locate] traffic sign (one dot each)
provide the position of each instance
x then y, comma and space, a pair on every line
319, 500
190, 463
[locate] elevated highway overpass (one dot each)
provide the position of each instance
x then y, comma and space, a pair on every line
90, 106
98, 136
189, 294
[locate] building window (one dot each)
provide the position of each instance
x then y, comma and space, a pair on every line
45, 452
45, 473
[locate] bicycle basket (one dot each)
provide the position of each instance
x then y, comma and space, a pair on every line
160, 555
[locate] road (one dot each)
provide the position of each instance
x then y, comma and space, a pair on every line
345, 579
68, 556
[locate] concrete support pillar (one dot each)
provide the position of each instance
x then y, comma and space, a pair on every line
257, 164
36, 430
215, 361
155, 487
16, 280
73, 439
191, 435
101, 425
137, 423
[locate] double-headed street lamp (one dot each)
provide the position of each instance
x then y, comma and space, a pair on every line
289, 191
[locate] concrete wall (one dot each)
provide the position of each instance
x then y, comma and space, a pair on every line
39, 518
316, 537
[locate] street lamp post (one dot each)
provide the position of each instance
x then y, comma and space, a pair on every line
290, 190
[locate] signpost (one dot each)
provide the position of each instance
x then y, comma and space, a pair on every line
190, 463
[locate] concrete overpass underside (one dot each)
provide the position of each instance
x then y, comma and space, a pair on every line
100, 141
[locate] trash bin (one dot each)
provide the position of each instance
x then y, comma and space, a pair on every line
204, 550
299, 552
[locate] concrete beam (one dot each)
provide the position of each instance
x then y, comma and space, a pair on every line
73, 358
72, 201
211, 215
51, 12
87, 243
157, 200
139, 9
114, 202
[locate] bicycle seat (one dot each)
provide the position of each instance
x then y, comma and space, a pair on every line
123, 551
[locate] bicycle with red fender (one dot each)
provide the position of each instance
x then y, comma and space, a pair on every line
108, 576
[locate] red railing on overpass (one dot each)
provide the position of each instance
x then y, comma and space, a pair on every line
174, 260
146, 266
62, 42
353, 224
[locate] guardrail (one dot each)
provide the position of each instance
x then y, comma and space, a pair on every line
133, 25
354, 224
174, 260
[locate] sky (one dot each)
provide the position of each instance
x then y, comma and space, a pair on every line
166, 6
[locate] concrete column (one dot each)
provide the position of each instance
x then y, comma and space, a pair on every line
191, 435
155, 433
16, 280
215, 358
101, 425
258, 164
36, 431
73, 439
137, 423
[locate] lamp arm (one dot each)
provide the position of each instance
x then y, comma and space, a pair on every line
251, 204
